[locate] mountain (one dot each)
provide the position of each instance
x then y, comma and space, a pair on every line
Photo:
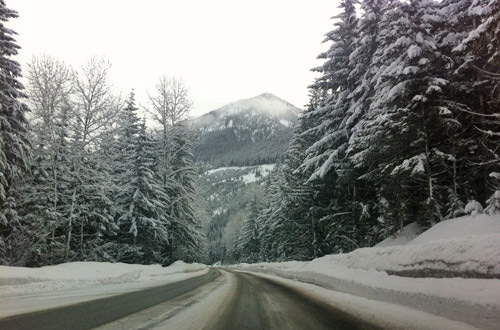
246, 132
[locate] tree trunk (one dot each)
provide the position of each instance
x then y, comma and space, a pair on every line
70, 225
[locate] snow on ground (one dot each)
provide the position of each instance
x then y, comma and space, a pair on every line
264, 171
451, 270
461, 227
25, 290
403, 236
252, 174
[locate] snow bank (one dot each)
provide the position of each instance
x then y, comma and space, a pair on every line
403, 236
73, 275
461, 227
24, 290
466, 250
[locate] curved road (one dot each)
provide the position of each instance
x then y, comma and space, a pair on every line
260, 303
252, 302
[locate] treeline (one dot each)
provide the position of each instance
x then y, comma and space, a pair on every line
402, 126
83, 179
254, 141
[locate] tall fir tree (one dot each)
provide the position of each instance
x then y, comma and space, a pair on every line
144, 224
14, 142
248, 243
186, 239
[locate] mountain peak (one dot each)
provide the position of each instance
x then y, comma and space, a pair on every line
268, 95
248, 131
267, 103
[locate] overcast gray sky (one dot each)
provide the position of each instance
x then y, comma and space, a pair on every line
223, 49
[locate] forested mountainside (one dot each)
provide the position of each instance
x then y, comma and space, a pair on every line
246, 132
225, 198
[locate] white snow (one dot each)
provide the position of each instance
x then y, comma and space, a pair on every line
266, 103
460, 228
473, 208
286, 123
359, 282
249, 177
221, 169
457, 249
218, 211
414, 51
25, 290
403, 236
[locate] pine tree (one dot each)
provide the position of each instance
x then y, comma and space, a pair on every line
399, 141
248, 244
471, 40
121, 150
329, 131
145, 224
270, 221
186, 239
14, 144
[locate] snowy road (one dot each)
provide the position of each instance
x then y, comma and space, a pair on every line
90, 314
218, 300
261, 303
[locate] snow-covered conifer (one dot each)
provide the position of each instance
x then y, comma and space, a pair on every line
186, 239
248, 244
14, 143
144, 223
493, 204
473, 208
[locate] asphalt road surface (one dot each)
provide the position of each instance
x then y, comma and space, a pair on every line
259, 303
253, 302
90, 314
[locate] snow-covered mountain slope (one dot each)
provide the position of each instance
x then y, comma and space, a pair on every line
222, 204
246, 132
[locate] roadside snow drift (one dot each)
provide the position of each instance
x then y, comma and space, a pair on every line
451, 270
28, 289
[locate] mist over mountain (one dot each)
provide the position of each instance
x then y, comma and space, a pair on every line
245, 132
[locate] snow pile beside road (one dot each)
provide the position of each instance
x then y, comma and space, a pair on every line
469, 256
76, 275
481, 224
403, 236
463, 247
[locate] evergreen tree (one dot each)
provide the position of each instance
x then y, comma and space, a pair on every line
14, 144
329, 130
271, 222
471, 40
186, 239
121, 150
248, 245
145, 224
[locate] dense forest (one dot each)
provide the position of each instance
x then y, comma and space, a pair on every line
402, 126
81, 178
